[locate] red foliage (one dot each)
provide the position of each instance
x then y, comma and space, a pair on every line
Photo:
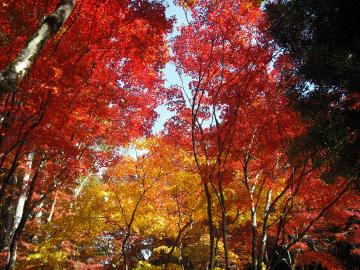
96, 82
93, 87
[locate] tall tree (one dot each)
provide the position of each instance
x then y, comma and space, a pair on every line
226, 57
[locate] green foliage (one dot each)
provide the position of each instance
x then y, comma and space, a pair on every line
322, 37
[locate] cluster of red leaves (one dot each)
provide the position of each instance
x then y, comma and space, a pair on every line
96, 82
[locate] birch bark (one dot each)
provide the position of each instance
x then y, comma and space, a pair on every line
16, 71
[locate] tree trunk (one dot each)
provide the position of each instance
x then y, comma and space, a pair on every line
12, 211
254, 236
125, 265
224, 224
27, 208
21, 202
7, 215
8, 212
13, 248
48, 220
211, 227
15, 72
264, 230
250, 188
14, 241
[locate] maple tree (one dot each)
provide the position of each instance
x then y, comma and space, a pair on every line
225, 86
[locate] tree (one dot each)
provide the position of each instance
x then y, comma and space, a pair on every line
224, 83
322, 39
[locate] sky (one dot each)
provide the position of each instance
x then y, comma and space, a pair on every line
171, 76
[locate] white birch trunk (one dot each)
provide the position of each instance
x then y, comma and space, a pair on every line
52, 208
264, 230
19, 209
23, 194
15, 72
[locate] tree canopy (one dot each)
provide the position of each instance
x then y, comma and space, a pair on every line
257, 167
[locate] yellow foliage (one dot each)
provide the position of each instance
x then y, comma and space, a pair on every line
143, 265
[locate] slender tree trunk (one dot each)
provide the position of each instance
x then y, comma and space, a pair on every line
13, 249
211, 227
15, 72
123, 247
15, 239
52, 208
254, 236
9, 208
293, 265
13, 210
225, 240
181, 261
125, 265
255, 256
250, 188
19, 210
8, 213
21, 202
224, 224
28, 207
264, 230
